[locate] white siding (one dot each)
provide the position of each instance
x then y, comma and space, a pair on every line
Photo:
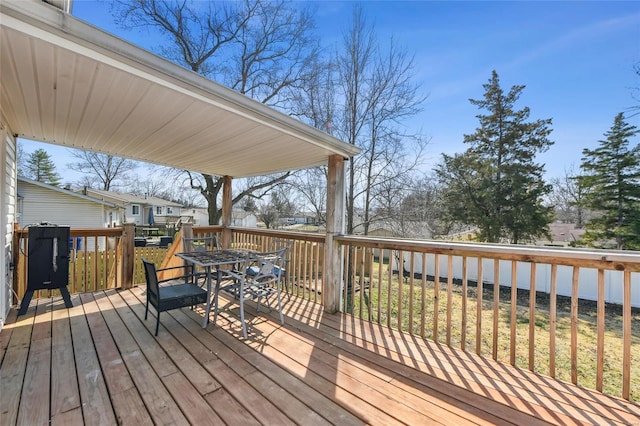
42, 205
7, 215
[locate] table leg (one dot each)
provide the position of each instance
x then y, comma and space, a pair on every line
215, 299
244, 325
205, 321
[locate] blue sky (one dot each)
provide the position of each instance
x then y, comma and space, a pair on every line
575, 58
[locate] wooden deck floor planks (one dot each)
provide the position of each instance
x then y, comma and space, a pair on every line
99, 363
523, 390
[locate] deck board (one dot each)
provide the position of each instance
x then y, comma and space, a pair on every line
99, 363
96, 405
524, 390
14, 365
64, 385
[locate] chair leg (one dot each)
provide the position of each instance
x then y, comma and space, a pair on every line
146, 310
258, 304
285, 285
244, 326
280, 308
157, 322
215, 301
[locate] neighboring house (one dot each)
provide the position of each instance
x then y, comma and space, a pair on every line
39, 202
562, 234
200, 216
299, 219
142, 210
239, 217
244, 219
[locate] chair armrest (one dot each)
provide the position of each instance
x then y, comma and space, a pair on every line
186, 278
189, 276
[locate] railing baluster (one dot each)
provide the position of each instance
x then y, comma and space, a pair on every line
389, 286
299, 276
423, 295
379, 305
323, 266
553, 290
496, 306
94, 263
85, 251
412, 274
370, 286
345, 276
480, 287
600, 332
449, 296
514, 311
574, 325
436, 295
74, 268
626, 337
400, 284
532, 316
362, 254
305, 273
465, 284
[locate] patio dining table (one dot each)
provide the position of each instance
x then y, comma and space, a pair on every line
215, 259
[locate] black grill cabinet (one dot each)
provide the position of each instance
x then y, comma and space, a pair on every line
48, 262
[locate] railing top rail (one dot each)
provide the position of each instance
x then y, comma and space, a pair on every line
290, 235
209, 228
607, 259
82, 232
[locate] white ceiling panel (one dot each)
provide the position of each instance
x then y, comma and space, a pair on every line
65, 82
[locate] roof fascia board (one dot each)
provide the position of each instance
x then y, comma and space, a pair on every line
41, 20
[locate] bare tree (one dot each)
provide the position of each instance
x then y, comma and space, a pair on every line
21, 160
102, 171
264, 49
311, 185
566, 196
379, 95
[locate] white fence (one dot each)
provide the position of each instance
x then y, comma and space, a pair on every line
588, 278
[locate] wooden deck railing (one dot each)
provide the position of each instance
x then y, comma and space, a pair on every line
537, 318
527, 306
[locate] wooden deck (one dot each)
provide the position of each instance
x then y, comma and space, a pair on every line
99, 363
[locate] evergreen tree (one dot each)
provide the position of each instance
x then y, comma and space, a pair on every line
495, 184
40, 167
611, 180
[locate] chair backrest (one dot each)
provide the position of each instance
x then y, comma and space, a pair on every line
200, 244
152, 279
270, 265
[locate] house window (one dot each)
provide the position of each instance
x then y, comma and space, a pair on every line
135, 210
169, 211
158, 210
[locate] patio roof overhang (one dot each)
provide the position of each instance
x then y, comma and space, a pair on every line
68, 83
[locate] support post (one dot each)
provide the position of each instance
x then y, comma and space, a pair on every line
227, 201
128, 255
187, 232
335, 226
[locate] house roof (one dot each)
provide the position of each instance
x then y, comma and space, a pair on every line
66, 192
129, 198
68, 83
